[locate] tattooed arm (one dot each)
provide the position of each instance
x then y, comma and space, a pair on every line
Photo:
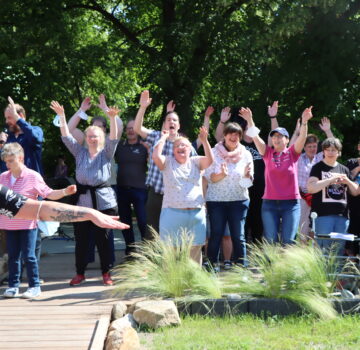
55, 211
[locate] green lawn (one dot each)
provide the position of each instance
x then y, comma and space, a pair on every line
248, 332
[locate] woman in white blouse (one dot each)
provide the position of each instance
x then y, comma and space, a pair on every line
183, 203
227, 196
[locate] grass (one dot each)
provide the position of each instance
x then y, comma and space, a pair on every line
161, 270
251, 333
296, 272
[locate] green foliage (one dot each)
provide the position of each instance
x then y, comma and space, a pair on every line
160, 269
295, 272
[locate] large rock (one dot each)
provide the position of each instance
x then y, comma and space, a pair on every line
118, 310
156, 313
124, 339
123, 322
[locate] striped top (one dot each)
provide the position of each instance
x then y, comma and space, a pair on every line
30, 184
93, 172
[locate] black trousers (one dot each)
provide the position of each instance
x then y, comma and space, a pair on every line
153, 210
82, 230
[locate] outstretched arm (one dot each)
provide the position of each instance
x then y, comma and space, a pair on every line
296, 133
209, 111
145, 102
300, 141
112, 113
103, 106
55, 211
224, 117
272, 113
59, 110
157, 156
208, 159
75, 119
325, 126
58, 194
259, 142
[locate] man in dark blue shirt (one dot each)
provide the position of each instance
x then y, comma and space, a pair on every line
29, 137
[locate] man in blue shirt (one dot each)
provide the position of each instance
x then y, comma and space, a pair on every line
29, 137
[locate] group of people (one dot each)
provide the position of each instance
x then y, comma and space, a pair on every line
243, 188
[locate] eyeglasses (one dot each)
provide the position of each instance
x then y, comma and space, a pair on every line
178, 145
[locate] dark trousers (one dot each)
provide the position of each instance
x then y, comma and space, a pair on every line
254, 226
153, 210
136, 197
81, 230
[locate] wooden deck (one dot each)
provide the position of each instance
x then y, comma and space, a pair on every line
63, 317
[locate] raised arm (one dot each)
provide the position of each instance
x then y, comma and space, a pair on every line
224, 117
103, 106
157, 156
59, 110
75, 119
58, 194
296, 132
272, 113
55, 211
252, 130
300, 141
112, 113
145, 102
209, 111
325, 126
208, 159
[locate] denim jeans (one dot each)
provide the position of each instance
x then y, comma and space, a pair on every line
137, 197
328, 224
231, 213
21, 244
288, 211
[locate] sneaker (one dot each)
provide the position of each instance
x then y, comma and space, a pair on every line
32, 292
107, 279
227, 265
11, 292
78, 279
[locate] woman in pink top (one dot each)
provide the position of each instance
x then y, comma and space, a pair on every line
21, 234
281, 200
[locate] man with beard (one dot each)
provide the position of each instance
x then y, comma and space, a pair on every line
29, 137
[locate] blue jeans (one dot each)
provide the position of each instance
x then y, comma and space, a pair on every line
328, 224
21, 244
231, 213
288, 211
136, 197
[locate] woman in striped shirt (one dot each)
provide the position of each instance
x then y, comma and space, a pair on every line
21, 233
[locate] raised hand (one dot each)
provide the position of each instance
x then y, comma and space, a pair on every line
224, 169
86, 104
246, 114
165, 134
57, 108
70, 190
102, 103
273, 110
225, 114
12, 107
209, 111
113, 111
325, 124
145, 100
306, 114
170, 107
203, 134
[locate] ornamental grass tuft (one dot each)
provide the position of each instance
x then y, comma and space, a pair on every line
295, 272
162, 269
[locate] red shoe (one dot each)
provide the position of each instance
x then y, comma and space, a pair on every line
107, 279
78, 279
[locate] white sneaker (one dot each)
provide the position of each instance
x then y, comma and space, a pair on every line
31, 293
11, 292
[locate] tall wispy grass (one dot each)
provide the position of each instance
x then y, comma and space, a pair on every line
298, 273
162, 269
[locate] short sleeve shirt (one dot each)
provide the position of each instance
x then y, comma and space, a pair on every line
182, 184
281, 182
10, 202
333, 199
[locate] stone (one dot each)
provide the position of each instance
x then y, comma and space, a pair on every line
126, 321
156, 313
124, 339
118, 310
